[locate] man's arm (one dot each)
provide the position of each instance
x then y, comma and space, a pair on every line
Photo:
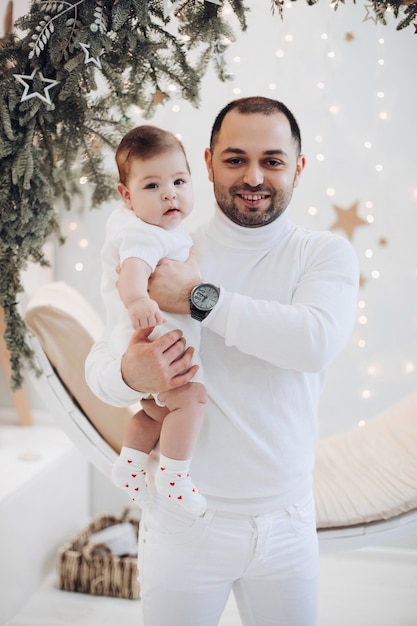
305, 334
145, 367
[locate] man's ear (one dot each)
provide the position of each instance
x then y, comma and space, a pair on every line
209, 163
124, 194
301, 161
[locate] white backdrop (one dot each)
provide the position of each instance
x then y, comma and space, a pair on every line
351, 84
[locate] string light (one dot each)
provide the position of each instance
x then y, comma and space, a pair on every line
374, 369
409, 367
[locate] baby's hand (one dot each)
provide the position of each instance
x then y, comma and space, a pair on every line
145, 313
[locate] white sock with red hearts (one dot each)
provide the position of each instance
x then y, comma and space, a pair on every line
173, 480
129, 474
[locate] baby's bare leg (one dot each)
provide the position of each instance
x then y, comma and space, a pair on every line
179, 434
182, 424
141, 436
143, 430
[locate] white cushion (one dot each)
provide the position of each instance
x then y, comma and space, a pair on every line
369, 473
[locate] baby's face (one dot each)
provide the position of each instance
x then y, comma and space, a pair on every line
159, 190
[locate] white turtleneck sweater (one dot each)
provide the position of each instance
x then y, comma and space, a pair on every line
286, 309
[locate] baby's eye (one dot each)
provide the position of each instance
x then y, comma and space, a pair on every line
151, 186
179, 181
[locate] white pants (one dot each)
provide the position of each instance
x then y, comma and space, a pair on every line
188, 567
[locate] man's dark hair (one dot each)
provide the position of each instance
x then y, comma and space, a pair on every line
256, 104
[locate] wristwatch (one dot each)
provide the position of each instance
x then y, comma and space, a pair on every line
202, 300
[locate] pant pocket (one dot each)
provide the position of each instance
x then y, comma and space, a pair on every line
165, 524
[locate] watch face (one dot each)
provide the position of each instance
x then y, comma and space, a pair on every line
205, 296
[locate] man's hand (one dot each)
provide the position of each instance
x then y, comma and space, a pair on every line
150, 366
171, 284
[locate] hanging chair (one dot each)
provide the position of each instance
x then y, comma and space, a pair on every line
365, 479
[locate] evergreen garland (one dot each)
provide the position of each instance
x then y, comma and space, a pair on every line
54, 128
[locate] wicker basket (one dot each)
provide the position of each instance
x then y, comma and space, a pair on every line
81, 569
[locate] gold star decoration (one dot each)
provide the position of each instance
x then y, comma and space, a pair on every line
89, 58
349, 37
348, 219
24, 80
362, 280
159, 97
382, 241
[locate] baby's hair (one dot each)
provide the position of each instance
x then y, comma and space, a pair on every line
144, 142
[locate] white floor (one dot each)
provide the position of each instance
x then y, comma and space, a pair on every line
371, 587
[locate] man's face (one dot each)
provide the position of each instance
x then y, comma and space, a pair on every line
254, 167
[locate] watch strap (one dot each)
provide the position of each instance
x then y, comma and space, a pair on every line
197, 314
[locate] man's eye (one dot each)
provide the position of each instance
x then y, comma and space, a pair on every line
234, 161
273, 163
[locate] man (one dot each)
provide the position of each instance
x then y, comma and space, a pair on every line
279, 306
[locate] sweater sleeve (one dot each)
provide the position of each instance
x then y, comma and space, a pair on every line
103, 376
307, 333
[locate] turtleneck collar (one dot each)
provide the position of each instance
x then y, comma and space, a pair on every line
229, 234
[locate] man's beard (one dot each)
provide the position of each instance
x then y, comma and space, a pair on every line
279, 200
